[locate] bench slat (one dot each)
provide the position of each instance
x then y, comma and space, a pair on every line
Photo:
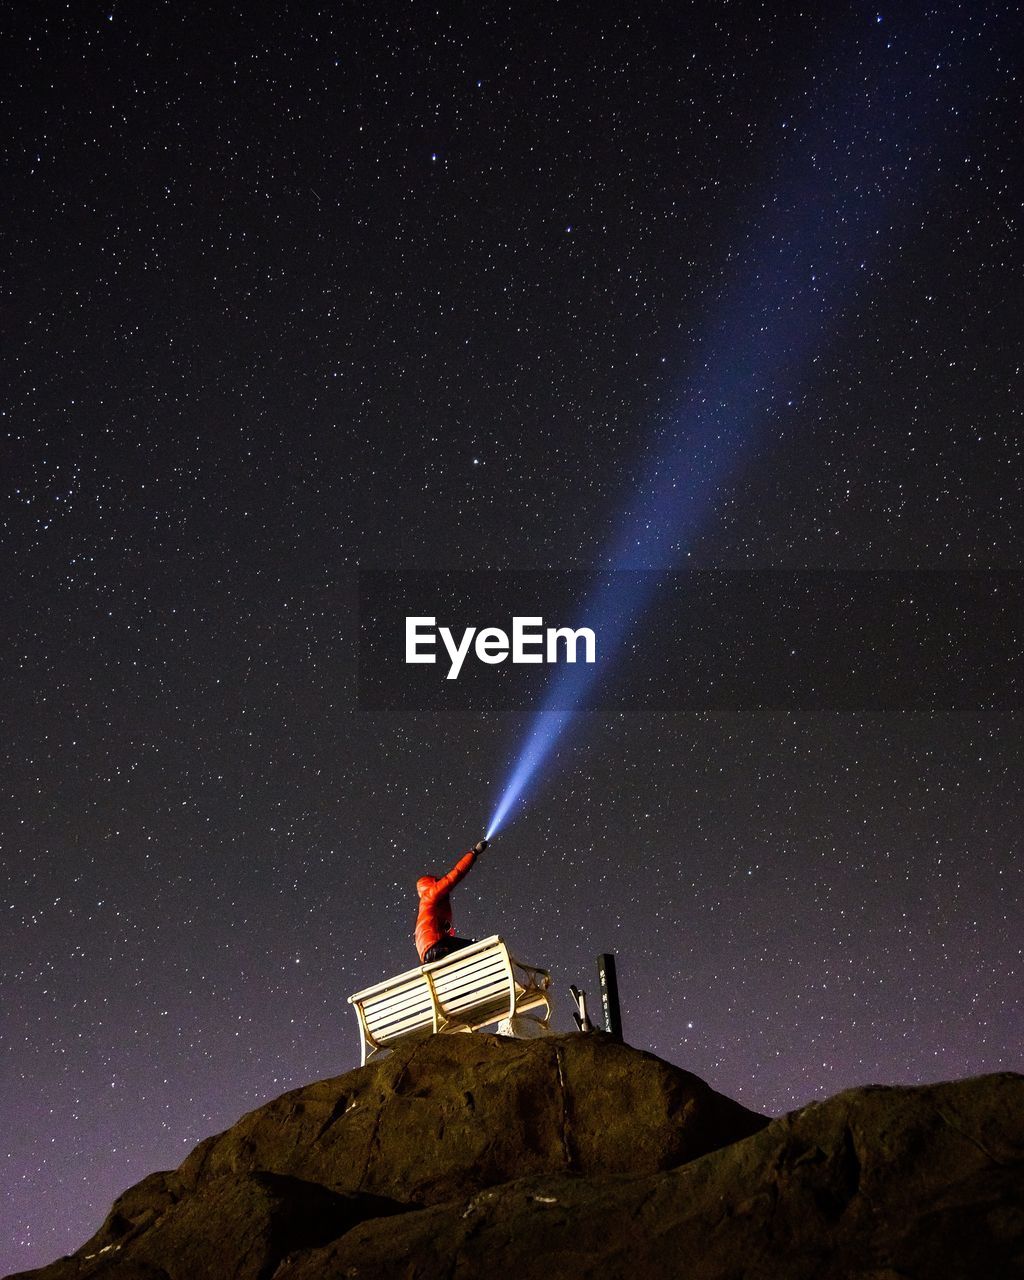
492, 1011
468, 979
420, 1013
494, 991
459, 975
405, 1000
468, 965
384, 1027
420, 996
389, 984
464, 996
467, 974
399, 1029
411, 996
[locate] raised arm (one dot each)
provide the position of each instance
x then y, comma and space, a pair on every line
447, 883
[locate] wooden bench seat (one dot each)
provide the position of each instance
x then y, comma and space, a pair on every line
472, 988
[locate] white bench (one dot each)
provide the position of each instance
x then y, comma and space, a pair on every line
472, 988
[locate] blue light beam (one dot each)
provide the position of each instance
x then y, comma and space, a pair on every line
857, 163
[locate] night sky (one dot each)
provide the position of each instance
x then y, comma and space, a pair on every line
293, 293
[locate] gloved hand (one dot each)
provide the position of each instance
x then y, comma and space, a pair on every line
480, 846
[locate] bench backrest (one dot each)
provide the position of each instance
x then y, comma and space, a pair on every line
407, 1007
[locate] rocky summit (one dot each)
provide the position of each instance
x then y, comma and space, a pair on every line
576, 1156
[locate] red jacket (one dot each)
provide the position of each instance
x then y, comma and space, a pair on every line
434, 919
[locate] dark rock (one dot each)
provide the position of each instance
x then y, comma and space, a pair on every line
439, 1119
453, 1114
236, 1225
576, 1156
242, 1225
135, 1211
881, 1184
112, 1267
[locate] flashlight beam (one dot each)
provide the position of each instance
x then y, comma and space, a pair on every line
860, 139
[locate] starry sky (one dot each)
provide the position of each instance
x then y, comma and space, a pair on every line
298, 292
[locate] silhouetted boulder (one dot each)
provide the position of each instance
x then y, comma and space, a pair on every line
450, 1115
239, 1225
881, 1184
575, 1156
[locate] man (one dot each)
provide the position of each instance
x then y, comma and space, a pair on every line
435, 937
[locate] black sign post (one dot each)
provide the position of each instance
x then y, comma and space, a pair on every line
610, 995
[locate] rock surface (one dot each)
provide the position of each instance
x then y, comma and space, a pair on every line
879, 1184
239, 1224
450, 1115
575, 1156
